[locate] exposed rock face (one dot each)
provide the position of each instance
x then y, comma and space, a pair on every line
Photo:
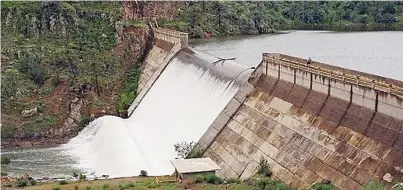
9, 18
72, 123
132, 44
52, 23
119, 31
34, 27
63, 24
30, 112
141, 10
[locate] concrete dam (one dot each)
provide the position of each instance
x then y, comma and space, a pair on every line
311, 122
180, 94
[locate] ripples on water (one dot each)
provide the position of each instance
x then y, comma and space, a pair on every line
39, 162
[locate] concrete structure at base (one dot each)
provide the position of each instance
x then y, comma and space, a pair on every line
166, 44
190, 168
311, 122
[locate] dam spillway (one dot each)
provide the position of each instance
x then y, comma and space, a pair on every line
180, 106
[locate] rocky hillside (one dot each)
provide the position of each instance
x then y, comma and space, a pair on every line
63, 63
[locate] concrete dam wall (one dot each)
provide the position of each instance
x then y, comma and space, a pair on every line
311, 122
166, 44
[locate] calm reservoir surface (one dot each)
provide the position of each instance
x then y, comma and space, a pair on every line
379, 53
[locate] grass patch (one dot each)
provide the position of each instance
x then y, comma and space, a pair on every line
373, 185
105, 186
40, 124
267, 183
126, 186
233, 180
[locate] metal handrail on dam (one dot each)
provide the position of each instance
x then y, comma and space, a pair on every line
300, 64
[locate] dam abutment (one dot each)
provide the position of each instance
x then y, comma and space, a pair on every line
167, 44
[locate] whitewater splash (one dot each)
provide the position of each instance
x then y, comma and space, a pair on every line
180, 106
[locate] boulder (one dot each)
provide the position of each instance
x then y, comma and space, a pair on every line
29, 112
75, 100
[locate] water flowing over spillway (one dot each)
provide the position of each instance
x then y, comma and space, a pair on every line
180, 106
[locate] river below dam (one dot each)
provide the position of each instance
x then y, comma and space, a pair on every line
378, 53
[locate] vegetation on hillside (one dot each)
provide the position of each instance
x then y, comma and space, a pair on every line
202, 18
50, 51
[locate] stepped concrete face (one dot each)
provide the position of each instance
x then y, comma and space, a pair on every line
166, 44
311, 122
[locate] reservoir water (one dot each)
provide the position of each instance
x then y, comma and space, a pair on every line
379, 53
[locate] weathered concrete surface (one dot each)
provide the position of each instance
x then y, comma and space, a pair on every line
167, 44
311, 125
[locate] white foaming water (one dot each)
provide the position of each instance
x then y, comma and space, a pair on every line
179, 107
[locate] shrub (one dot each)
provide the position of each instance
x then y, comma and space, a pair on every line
196, 152
4, 174
210, 178
188, 150
37, 74
75, 187
22, 183
88, 187
264, 168
5, 160
63, 182
153, 185
200, 179
213, 179
373, 185
56, 188
266, 183
33, 182
143, 173
56, 80
83, 177
30, 63
75, 174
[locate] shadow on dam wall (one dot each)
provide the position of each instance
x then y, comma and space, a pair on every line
311, 122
